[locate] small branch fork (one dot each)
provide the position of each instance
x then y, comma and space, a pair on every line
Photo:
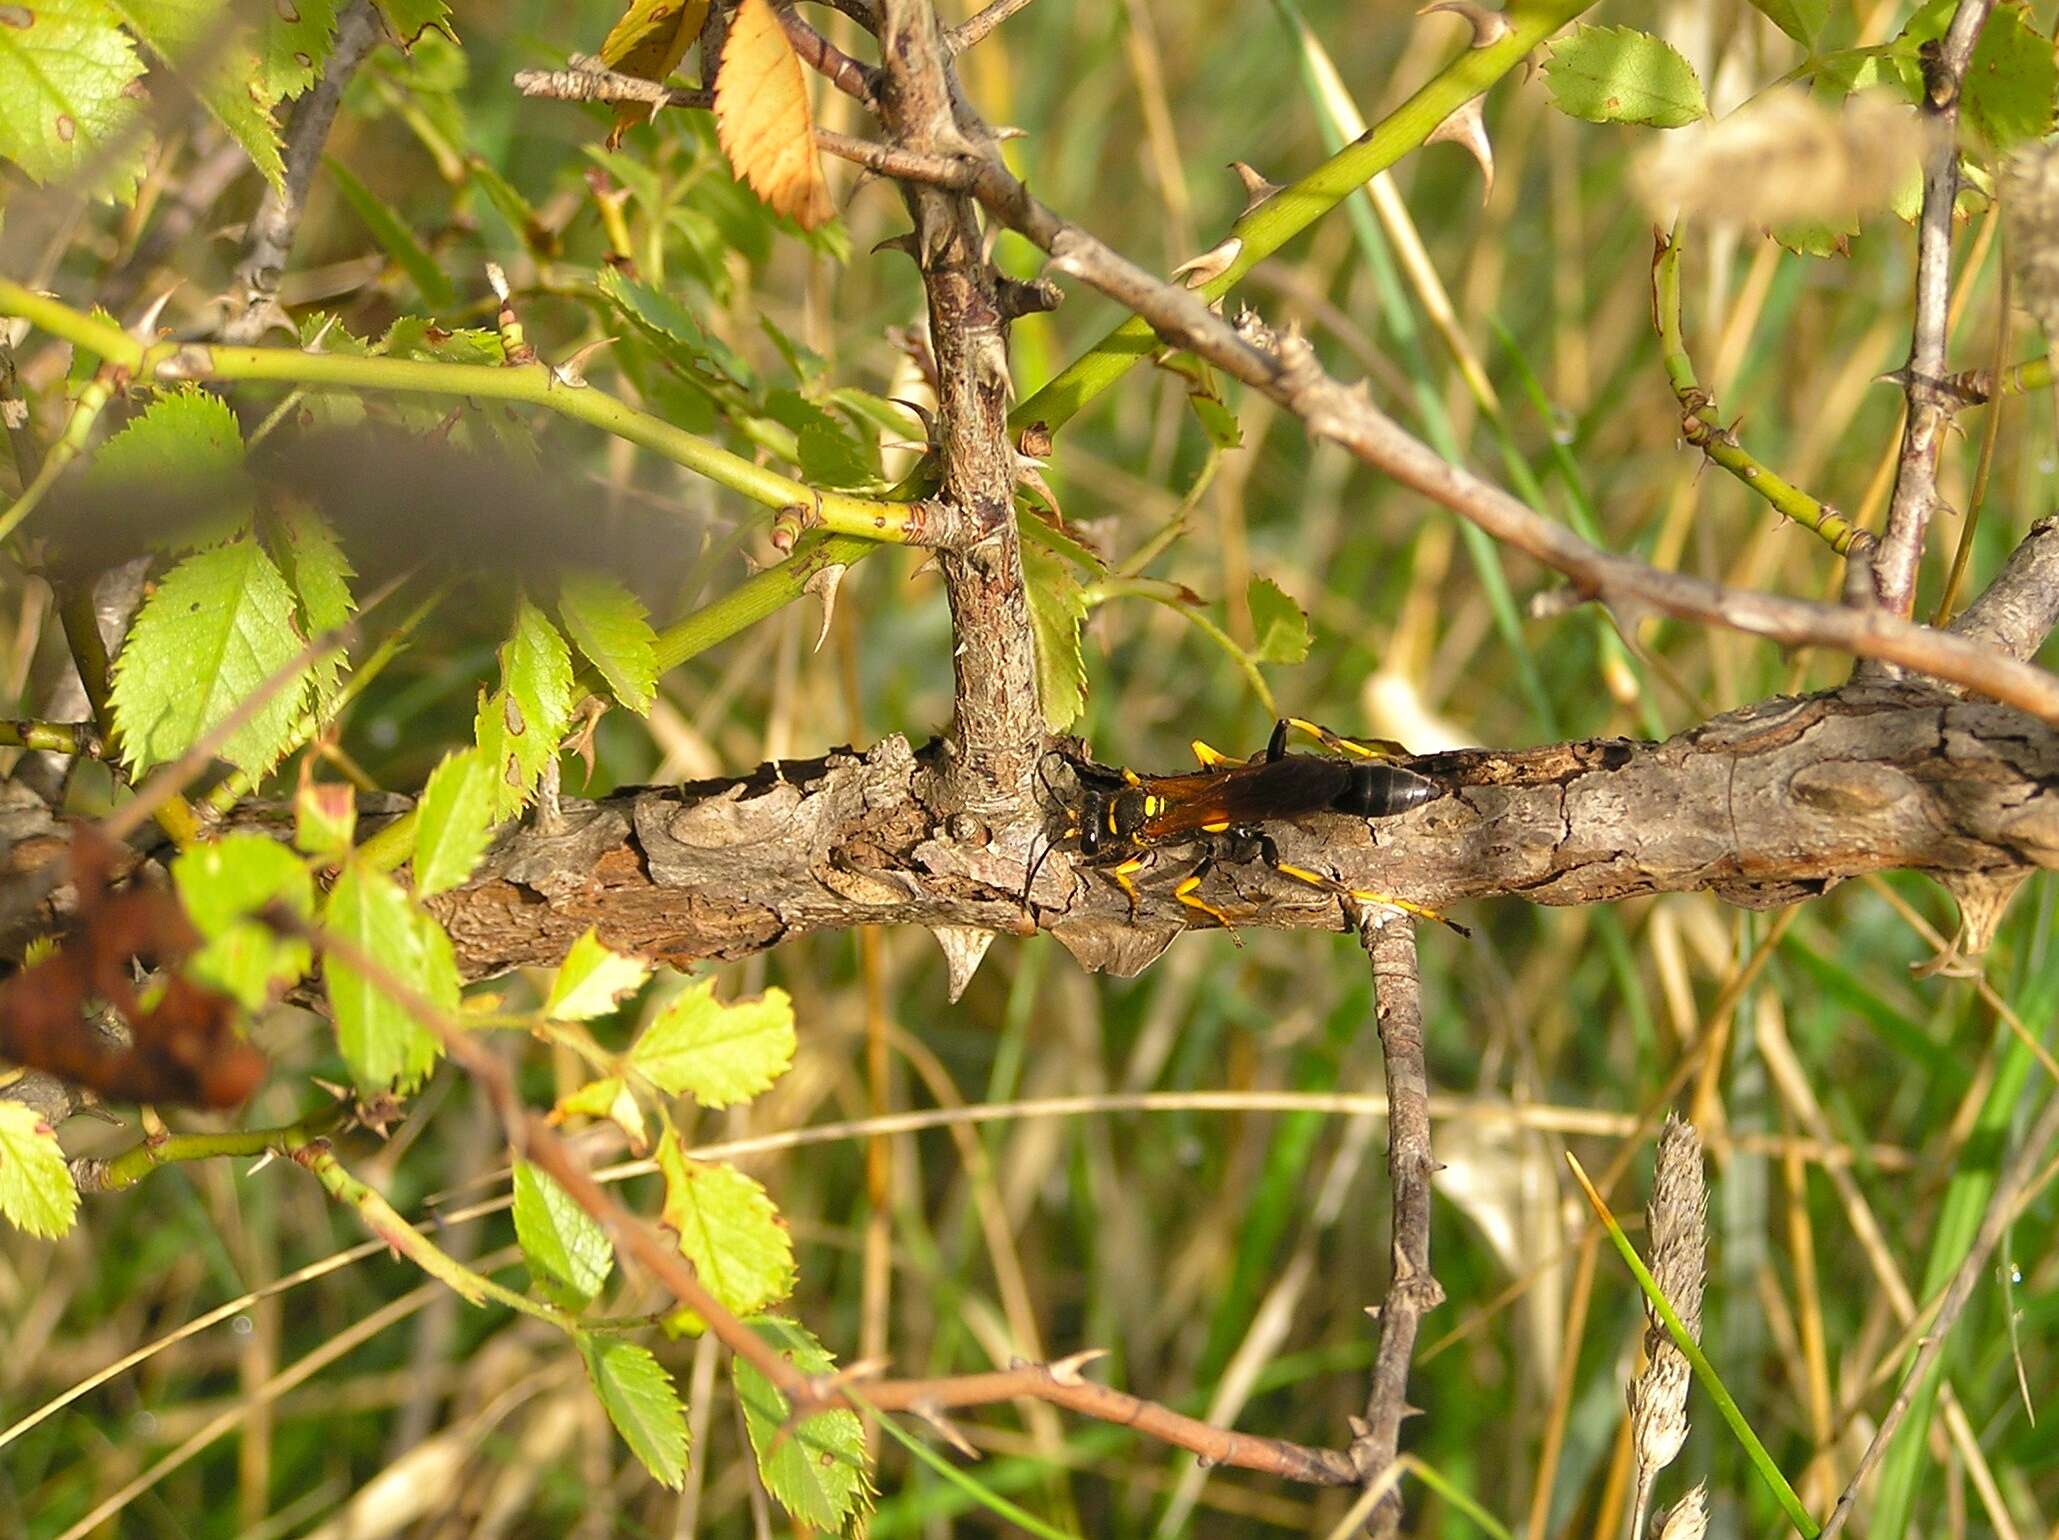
1285, 369
1931, 400
1389, 940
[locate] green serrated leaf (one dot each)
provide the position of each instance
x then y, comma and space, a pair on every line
613, 630
394, 238
1801, 20
189, 436
728, 1228
591, 980
2011, 81
521, 724
1057, 607
385, 1046
223, 70
324, 819
670, 328
1621, 75
567, 1252
830, 457
220, 626
818, 1470
1277, 622
36, 1191
718, 1054
1059, 543
641, 1403
1889, 66
609, 1099
221, 886
455, 821
297, 37
409, 19
64, 83
320, 573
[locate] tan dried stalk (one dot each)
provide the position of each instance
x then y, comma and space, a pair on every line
1677, 1220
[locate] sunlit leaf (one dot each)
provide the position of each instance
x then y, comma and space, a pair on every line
818, 1470
219, 626
610, 1100
641, 1403
2010, 81
222, 885
648, 42
521, 724
320, 573
613, 630
222, 67
455, 821
297, 37
762, 116
36, 1191
185, 435
382, 1041
728, 1228
1277, 622
1621, 75
324, 818
1057, 607
591, 980
717, 1053
64, 79
1801, 20
567, 1252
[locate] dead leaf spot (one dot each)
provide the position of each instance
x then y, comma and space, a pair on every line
287, 11
20, 17
762, 117
67, 130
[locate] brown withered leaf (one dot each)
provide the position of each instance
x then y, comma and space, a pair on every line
648, 42
184, 1050
762, 117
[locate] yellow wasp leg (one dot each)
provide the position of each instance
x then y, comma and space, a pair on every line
1188, 893
1209, 757
1120, 876
1364, 748
1365, 895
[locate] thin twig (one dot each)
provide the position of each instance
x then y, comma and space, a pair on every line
1930, 404
254, 294
1285, 368
2001, 1210
1390, 943
824, 57
975, 27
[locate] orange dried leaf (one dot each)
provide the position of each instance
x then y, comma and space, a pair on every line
762, 117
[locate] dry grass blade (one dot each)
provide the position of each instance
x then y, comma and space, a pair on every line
762, 117
1677, 1219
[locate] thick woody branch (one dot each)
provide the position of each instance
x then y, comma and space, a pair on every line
1412, 1291
254, 289
1764, 806
1931, 400
998, 730
1285, 369
2021, 606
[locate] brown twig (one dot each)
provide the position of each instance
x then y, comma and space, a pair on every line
254, 307
975, 27
2001, 1211
1285, 369
824, 57
1930, 402
1389, 940
2019, 608
532, 1137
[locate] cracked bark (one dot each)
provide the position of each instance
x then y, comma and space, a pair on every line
997, 734
1764, 806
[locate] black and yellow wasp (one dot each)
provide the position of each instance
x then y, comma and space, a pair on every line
1117, 818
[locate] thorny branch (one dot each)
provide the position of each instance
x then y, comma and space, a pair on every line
254, 307
1412, 1291
1285, 368
1930, 401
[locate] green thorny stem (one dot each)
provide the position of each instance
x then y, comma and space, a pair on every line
1698, 413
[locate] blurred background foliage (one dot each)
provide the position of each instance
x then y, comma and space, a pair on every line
1224, 1259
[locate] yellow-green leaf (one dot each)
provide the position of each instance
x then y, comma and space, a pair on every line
718, 1054
591, 979
36, 1191
728, 1228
